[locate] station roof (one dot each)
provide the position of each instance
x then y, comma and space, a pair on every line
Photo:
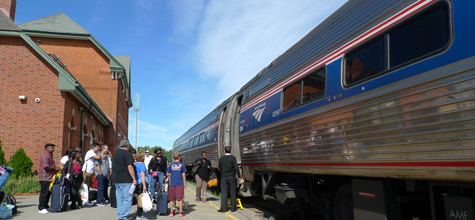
7, 24
66, 81
62, 26
58, 23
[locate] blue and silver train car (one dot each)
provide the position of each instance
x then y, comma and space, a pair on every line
370, 116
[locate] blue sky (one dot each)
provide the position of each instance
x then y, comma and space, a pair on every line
187, 55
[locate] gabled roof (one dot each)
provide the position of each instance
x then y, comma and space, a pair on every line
125, 61
58, 23
61, 26
66, 82
6, 24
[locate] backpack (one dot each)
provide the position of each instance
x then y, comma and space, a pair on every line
194, 170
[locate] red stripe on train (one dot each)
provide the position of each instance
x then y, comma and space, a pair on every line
378, 164
340, 51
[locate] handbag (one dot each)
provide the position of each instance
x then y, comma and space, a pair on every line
154, 174
6, 210
213, 180
84, 193
165, 186
10, 200
146, 201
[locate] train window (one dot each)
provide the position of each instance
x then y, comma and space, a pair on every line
208, 135
202, 138
365, 62
310, 88
292, 95
314, 86
420, 36
195, 141
190, 144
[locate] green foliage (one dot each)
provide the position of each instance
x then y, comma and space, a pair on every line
2, 155
168, 154
24, 184
21, 164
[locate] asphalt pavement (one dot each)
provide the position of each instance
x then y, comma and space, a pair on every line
28, 209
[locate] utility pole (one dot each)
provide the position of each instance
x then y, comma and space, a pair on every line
137, 108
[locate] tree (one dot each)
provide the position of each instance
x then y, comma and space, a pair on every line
168, 154
2, 155
21, 163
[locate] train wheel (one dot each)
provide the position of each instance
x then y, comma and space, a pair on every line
343, 206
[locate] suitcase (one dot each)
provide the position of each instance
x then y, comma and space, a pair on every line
59, 198
112, 196
162, 203
92, 194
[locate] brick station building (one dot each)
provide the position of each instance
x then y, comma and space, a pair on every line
58, 85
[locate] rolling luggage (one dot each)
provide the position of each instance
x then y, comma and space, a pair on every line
59, 195
112, 196
162, 203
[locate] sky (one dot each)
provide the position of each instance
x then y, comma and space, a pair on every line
187, 56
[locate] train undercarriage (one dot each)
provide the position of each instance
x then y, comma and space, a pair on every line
305, 196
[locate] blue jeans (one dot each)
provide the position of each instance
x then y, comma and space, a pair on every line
149, 179
102, 183
158, 179
124, 199
3, 179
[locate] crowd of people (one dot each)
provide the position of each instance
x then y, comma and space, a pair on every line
131, 174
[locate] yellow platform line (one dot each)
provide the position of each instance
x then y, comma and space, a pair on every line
217, 208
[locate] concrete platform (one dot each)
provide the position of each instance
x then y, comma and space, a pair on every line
28, 209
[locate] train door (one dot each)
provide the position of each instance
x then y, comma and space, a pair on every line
228, 134
221, 141
232, 126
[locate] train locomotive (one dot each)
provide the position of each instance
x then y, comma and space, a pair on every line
371, 115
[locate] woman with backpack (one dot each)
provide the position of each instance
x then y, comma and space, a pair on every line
72, 169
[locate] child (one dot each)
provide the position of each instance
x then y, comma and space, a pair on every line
75, 176
142, 180
176, 172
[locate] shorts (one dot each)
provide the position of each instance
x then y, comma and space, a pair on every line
176, 193
88, 179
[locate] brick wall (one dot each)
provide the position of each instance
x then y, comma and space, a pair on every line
72, 130
28, 124
91, 67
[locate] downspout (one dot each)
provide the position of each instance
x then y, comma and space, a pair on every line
81, 141
117, 113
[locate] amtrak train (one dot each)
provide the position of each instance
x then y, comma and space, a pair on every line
371, 115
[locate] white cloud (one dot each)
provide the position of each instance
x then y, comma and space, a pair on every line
238, 38
186, 15
147, 132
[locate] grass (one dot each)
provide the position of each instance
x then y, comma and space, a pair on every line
26, 184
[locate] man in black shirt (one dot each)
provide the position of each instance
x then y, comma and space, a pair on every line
123, 175
228, 169
202, 176
157, 167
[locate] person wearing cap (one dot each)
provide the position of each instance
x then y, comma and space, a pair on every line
147, 160
157, 167
46, 171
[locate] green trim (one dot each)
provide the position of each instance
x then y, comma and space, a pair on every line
65, 82
114, 65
